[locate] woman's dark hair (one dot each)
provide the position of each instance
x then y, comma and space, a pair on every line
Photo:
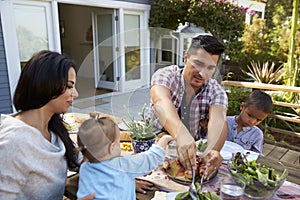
208, 43
43, 78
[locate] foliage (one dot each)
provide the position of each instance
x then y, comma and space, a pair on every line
230, 20
255, 36
264, 73
282, 124
222, 18
270, 11
279, 35
269, 39
141, 130
236, 96
168, 13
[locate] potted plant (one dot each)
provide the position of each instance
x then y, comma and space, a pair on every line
141, 131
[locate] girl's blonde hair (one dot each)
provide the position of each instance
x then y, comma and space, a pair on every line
94, 135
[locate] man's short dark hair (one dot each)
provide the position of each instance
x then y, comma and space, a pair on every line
208, 43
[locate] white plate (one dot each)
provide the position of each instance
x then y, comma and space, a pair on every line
228, 149
251, 155
75, 120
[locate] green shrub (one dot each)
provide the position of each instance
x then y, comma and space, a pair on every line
236, 95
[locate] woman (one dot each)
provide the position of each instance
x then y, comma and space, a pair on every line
35, 147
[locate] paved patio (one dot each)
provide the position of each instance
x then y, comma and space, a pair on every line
113, 103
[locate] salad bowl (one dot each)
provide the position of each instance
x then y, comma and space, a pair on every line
262, 181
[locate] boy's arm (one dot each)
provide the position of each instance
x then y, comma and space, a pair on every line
258, 145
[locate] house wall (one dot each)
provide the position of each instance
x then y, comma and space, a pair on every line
5, 97
139, 1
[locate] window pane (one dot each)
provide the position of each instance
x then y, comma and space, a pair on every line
31, 29
132, 47
166, 53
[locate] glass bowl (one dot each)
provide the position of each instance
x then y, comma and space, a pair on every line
271, 173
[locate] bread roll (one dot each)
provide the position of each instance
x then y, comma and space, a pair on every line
125, 136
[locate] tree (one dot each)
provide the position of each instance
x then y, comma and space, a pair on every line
269, 39
222, 18
282, 18
254, 38
291, 59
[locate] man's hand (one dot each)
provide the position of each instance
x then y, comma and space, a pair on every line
213, 160
142, 186
186, 148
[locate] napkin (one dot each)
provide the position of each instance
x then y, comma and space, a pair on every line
160, 179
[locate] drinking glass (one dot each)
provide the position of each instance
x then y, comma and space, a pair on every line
171, 151
231, 190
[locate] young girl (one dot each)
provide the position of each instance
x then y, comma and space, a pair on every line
107, 173
242, 129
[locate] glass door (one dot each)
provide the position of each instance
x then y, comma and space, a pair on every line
33, 28
104, 27
134, 48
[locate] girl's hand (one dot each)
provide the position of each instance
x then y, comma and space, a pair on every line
88, 197
142, 186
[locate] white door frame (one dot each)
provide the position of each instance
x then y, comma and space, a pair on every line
113, 85
144, 52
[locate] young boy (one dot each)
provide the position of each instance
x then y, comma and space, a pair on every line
106, 173
242, 128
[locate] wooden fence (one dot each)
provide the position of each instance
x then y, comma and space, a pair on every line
288, 117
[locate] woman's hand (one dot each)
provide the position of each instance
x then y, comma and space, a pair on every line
142, 186
88, 197
213, 160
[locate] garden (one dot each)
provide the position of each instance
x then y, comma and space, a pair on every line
266, 51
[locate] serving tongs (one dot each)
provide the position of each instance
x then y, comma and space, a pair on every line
192, 189
201, 181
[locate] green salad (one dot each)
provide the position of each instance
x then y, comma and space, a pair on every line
260, 180
200, 195
201, 145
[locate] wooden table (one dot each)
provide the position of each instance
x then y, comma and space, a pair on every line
287, 191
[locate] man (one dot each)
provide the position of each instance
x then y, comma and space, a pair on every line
183, 100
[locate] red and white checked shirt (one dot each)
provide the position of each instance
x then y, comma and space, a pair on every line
210, 94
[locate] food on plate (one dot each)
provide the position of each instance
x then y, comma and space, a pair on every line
126, 146
125, 136
201, 196
72, 121
175, 169
72, 127
261, 180
201, 145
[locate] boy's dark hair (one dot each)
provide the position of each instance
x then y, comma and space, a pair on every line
208, 43
260, 100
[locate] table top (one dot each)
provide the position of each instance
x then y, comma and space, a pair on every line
162, 182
